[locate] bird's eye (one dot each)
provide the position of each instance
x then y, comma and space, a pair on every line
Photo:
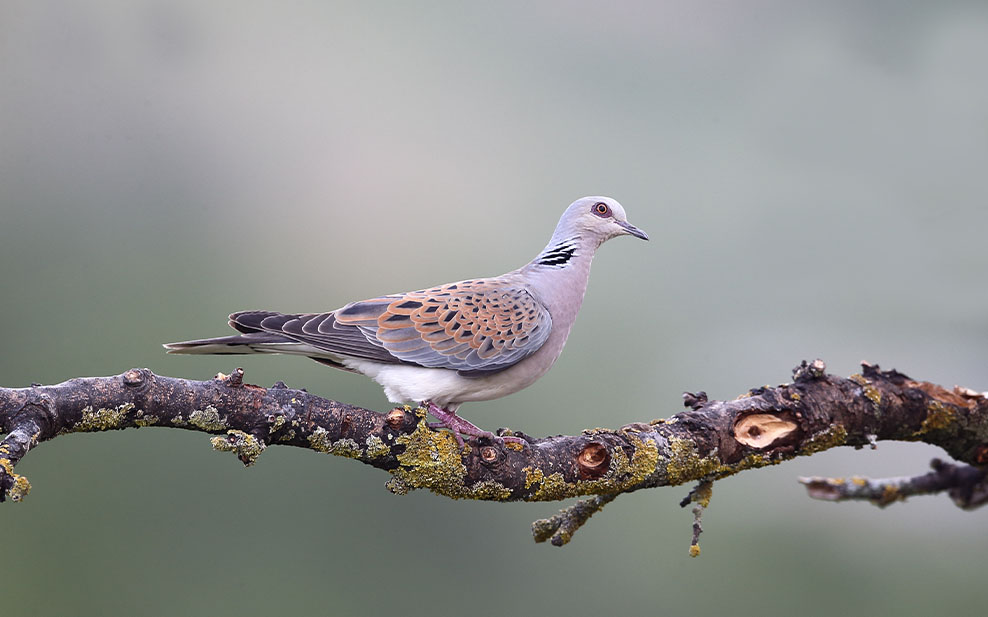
601, 209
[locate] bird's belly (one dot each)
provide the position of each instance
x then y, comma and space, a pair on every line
407, 384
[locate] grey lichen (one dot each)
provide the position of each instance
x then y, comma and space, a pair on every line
376, 447
246, 446
276, 424
320, 441
141, 420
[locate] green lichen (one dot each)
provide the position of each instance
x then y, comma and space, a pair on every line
246, 446
432, 460
207, 419
376, 447
102, 419
21, 486
938, 418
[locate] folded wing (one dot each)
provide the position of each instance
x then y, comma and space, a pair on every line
474, 327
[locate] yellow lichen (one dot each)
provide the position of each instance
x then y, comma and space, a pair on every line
621, 475
871, 392
102, 419
686, 464
694, 550
703, 493
533, 475
551, 487
938, 417
21, 486
20, 489
890, 494
432, 460
859, 481
824, 440
207, 419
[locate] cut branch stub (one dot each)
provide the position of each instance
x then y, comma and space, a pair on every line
397, 418
593, 461
761, 430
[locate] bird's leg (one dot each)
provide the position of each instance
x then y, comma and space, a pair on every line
459, 426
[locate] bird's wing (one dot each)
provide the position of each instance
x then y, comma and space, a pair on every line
474, 327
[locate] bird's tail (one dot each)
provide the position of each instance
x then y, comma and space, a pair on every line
255, 342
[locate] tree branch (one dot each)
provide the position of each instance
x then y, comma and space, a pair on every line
711, 440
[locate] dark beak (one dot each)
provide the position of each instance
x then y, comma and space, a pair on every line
632, 230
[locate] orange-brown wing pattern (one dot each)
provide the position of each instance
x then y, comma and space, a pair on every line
474, 327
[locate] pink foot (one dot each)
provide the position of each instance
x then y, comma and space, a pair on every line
459, 426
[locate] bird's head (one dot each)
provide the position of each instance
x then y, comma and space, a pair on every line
598, 218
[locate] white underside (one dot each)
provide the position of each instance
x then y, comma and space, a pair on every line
412, 384
404, 383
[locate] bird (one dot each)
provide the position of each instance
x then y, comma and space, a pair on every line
472, 340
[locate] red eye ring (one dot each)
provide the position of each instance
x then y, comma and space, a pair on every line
601, 209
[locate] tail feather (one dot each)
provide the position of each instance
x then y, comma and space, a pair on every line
257, 342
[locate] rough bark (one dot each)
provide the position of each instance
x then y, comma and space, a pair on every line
711, 440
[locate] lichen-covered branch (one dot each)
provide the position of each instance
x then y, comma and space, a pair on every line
711, 440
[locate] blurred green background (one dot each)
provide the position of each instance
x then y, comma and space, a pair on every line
813, 176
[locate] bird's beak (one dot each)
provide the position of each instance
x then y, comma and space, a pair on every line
632, 230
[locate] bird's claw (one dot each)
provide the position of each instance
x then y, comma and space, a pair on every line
460, 427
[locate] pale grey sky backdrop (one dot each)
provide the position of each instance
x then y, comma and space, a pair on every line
813, 176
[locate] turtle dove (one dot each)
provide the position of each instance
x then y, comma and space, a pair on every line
472, 340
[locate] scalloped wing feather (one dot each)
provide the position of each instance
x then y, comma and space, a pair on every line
475, 327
